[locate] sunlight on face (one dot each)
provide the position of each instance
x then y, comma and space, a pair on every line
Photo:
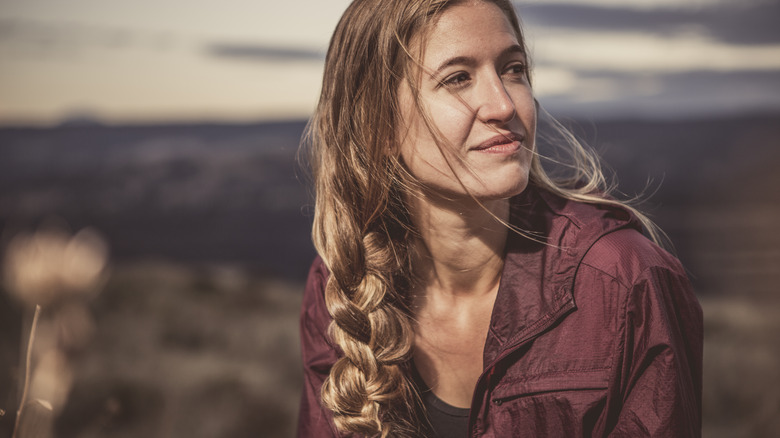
474, 88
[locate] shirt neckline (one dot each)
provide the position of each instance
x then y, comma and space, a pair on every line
430, 399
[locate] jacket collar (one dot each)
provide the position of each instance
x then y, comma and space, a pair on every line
536, 288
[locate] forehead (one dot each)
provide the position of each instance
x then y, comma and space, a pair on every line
471, 28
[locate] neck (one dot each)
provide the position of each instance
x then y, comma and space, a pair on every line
461, 245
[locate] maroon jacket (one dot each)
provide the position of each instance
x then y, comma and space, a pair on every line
596, 333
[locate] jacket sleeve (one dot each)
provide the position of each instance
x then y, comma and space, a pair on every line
662, 363
318, 356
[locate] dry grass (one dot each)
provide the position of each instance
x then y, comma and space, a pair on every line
741, 367
189, 352
213, 351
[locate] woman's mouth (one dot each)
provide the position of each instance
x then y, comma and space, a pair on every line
501, 144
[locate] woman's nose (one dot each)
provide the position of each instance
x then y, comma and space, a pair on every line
496, 105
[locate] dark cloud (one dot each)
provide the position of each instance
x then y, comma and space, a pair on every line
736, 23
690, 93
258, 52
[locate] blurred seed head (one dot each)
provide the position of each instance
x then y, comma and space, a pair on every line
84, 261
48, 266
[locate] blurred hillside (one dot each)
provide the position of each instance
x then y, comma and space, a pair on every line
234, 193
202, 193
209, 232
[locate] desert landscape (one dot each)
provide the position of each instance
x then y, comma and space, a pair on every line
196, 328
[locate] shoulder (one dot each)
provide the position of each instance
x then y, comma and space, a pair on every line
314, 292
627, 256
317, 278
647, 283
314, 311
611, 256
606, 238
589, 220
318, 354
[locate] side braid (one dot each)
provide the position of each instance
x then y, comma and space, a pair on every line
367, 387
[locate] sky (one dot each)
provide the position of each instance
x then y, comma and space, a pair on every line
247, 60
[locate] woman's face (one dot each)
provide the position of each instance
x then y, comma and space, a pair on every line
473, 85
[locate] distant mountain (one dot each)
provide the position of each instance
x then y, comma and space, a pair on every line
235, 193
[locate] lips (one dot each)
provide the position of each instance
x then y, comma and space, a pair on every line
507, 142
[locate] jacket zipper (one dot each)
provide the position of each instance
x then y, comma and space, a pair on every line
501, 400
490, 369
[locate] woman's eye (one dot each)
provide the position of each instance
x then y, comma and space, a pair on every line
456, 80
516, 69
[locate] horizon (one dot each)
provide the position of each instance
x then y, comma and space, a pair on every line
87, 122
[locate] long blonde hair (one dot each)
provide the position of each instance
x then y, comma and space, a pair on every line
361, 224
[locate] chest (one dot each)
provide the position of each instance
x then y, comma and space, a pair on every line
450, 349
448, 352
561, 377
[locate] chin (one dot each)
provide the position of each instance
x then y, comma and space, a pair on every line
505, 192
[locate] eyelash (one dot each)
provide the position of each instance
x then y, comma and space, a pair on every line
459, 79
520, 66
456, 79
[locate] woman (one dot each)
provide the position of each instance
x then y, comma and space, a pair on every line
460, 290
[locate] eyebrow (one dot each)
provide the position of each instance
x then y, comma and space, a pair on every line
469, 61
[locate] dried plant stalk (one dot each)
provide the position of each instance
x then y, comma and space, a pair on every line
27, 369
59, 272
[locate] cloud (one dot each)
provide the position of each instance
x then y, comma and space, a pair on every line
600, 58
672, 94
642, 53
40, 37
734, 23
260, 52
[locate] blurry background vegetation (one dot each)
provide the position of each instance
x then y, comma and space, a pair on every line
172, 128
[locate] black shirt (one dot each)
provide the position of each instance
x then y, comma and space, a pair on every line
445, 420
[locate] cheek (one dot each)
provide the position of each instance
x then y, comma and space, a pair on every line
526, 112
530, 123
417, 149
454, 119
525, 105
421, 145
